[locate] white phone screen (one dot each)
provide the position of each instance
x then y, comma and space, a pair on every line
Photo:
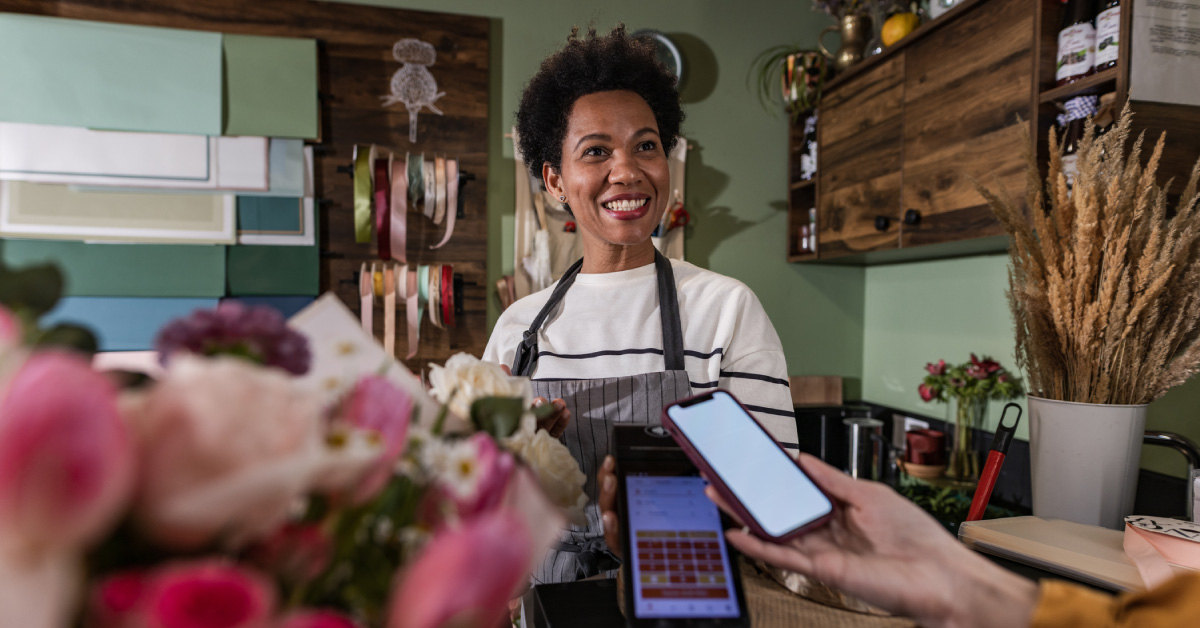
779, 496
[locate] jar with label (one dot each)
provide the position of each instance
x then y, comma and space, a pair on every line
1076, 43
1108, 33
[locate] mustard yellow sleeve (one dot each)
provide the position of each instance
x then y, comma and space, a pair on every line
1175, 603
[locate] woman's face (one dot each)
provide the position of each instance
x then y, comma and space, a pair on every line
614, 170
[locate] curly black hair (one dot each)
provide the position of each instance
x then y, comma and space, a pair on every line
587, 65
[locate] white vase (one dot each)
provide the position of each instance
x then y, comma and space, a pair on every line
1085, 460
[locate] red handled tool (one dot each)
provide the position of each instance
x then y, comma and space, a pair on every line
987, 481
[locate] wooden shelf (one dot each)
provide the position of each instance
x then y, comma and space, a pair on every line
800, 185
1091, 82
802, 257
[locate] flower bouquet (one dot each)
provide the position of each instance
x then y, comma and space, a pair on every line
246, 487
971, 384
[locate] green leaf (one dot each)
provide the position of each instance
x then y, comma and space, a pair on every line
67, 336
543, 411
34, 288
498, 416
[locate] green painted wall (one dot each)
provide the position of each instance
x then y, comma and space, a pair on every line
945, 309
737, 175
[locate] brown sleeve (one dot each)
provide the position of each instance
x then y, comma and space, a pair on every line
1175, 603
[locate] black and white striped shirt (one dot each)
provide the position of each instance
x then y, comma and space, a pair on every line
608, 325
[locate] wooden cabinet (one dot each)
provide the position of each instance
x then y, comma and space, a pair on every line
966, 92
903, 136
859, 155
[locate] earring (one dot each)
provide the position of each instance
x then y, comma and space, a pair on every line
562, 199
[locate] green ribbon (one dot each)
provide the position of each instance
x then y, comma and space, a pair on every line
422, 291
363, 194
416, 181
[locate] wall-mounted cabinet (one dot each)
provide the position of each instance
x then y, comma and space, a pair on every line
903, 136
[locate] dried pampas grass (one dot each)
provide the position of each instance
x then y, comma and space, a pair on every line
1104, 280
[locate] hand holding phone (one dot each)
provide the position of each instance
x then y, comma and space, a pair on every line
764, 486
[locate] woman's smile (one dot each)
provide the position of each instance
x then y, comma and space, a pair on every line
627, 206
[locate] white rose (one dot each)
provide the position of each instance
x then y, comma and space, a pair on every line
468, 378
556, 469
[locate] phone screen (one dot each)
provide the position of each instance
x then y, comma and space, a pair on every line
680, 568
761, 476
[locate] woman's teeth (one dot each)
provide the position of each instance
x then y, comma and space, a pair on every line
625, 206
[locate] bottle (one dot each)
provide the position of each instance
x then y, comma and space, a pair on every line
1071, 137
1076, 43
1108, 33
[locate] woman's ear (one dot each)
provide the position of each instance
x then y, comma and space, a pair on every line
553, 180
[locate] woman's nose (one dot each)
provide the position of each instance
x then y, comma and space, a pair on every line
625, 169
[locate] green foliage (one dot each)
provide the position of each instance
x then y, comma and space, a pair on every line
497, 416
32, 291
766, 79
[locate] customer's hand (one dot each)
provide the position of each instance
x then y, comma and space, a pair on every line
883, 549
556, 423
606, 499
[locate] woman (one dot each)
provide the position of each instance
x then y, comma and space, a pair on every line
624, 331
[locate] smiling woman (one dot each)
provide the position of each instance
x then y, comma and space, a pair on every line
624, 332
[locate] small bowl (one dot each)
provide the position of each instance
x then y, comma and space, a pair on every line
923, 471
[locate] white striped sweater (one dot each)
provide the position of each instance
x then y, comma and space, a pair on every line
608, 325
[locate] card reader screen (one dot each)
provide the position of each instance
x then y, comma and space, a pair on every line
680, 565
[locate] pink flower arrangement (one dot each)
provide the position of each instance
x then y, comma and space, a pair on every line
229, 493
976, 379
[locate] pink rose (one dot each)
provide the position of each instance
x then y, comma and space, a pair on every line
295, 552
316, 619
227, 447
926, 392
114, 600
378, 405
206, 594
465, 575
936, 369
66, 460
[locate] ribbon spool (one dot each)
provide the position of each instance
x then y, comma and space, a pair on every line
383, 212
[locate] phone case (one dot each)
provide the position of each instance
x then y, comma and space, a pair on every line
719, 484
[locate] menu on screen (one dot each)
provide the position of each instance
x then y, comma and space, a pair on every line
680, 564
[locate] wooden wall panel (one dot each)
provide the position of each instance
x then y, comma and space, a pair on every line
356, 66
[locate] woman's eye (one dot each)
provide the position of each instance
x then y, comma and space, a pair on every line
593, 151
647, 145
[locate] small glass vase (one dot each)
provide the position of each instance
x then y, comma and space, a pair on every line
963, 463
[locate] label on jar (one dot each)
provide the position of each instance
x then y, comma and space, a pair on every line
1070, 166
1108, 33
1076, 51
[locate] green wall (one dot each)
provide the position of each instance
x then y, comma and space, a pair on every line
737, 176
924, 311
876, 326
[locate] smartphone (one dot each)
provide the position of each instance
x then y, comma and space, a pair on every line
678, 570
764, 485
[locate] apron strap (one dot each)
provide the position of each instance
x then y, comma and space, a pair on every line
527, 351
668, 307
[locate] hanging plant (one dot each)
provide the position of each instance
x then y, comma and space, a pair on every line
792, 75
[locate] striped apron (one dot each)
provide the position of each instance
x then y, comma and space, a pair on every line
596, 405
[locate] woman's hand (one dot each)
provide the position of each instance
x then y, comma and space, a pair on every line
883, 549
556, 422
606, 499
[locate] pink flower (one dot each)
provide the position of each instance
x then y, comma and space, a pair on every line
378, 405
936, 369
295, 552
66, 461
465, 576
114, 600
206, 594
926, 392
316, 619
989, 365
472, 474
1002, 378
227, 447
977, 372
10, 328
